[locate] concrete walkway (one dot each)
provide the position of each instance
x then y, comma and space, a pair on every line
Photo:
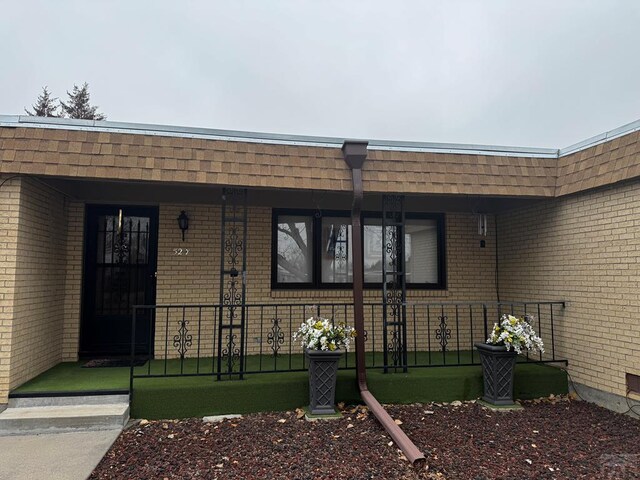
54, 456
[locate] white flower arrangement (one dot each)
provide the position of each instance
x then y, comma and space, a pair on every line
318, 333
517, 333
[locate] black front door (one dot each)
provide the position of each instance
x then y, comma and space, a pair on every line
119, 272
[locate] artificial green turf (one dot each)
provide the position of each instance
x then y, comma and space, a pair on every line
199, 396
179, 397
70, 377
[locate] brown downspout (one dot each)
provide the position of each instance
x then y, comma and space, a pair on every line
355, 153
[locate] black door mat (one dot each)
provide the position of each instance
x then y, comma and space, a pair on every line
114, 362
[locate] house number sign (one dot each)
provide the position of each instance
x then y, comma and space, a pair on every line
181, 251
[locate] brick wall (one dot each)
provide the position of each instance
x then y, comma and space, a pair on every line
52, 232
9, 211
32, 272
73, 280
39, 290
194, 278
585, 249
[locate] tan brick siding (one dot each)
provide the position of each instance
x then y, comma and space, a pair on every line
39, 282
585, 249
194, 278
73, 280
9, 212
32, 273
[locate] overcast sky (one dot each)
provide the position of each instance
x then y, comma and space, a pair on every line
525, 73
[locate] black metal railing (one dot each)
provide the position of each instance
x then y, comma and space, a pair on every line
186, 341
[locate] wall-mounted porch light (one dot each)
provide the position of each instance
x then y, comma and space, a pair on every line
482, 224
183, 222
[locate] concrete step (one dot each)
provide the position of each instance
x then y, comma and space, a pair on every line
41, 401
32, 419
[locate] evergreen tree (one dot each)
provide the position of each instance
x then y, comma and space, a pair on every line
78, 105
45, 105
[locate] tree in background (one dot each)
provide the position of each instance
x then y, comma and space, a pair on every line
45, 106
78, 105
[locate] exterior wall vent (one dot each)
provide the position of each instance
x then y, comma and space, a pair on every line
633, 383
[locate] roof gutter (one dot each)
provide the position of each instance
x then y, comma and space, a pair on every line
355, 153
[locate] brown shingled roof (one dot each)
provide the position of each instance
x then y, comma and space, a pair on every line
165, 158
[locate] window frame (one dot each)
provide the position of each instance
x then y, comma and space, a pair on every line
275, 285
316, 249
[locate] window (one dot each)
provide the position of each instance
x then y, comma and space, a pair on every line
294, 253
337, 259
421, 250
316, 252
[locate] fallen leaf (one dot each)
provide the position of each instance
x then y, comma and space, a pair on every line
299, 413
350, 425
171, 435
397, 421
528, 461
282, 420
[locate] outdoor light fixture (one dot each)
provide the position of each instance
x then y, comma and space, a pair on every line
183, 222
482, 224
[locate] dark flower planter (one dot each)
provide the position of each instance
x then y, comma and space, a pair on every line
498, 368
323, 373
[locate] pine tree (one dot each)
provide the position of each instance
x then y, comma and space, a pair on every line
78, 105
44, 106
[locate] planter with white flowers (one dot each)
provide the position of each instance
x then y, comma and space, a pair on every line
324, 344
508, 339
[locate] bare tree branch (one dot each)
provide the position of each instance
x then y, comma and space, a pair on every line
291, 268
295, 234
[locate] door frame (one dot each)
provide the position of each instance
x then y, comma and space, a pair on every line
92, 210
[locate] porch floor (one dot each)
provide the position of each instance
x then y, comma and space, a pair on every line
71, 377
179, 397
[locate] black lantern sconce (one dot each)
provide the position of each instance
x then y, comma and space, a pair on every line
183, 222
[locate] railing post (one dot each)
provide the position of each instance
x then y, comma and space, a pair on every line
553, 340
484, 316
133, 353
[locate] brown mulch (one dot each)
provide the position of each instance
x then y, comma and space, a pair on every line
557, 439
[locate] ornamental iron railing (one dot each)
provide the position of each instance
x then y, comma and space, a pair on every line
186, 338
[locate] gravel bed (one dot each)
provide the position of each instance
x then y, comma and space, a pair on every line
552, 439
